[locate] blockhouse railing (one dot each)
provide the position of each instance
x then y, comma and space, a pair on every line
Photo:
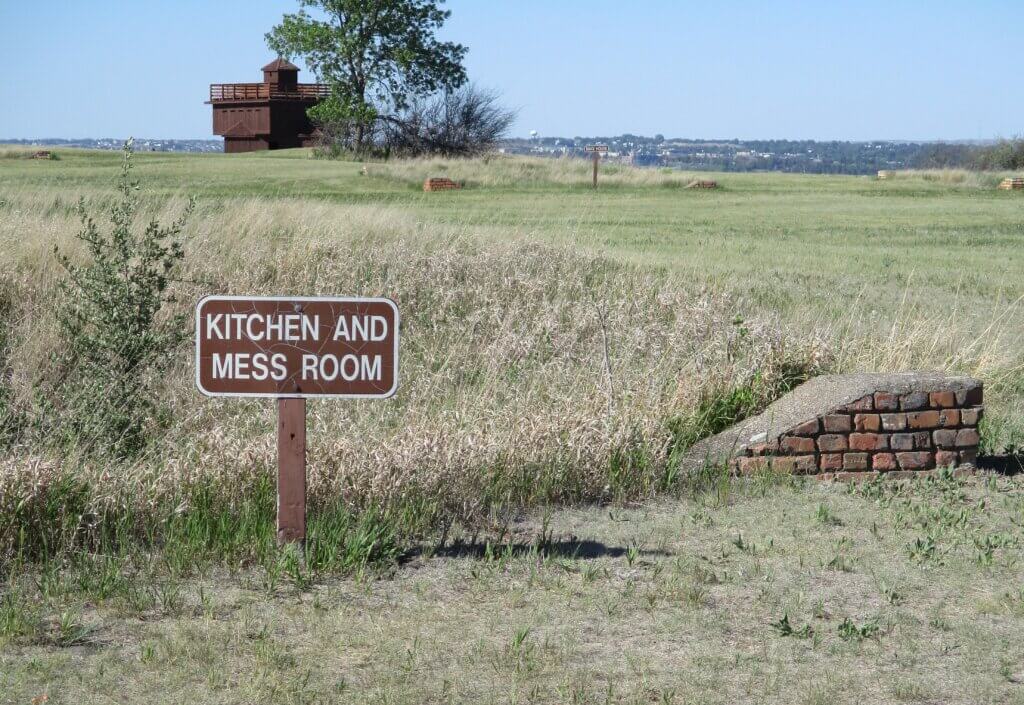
264, 91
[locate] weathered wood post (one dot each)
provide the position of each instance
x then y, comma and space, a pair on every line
291, 471
597, 150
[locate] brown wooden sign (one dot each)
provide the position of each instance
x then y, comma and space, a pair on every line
296, 347
602, 148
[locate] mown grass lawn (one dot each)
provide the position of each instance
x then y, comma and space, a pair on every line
752, 591
811, 246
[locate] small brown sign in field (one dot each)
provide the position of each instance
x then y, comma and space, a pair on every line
597, 150
291, 348
296, 347
1012, 184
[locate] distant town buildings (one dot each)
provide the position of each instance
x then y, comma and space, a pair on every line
804, 156
141, 144
797, 156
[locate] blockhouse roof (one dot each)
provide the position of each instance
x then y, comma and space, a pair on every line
280, 64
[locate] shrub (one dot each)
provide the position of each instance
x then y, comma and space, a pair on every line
114, 341
465, 123
1005, 154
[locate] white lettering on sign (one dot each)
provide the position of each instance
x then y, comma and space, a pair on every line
297, 346
355, 328
327, 368
286, 327
236, 366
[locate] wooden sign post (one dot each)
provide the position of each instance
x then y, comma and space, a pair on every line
292, 349
597, 150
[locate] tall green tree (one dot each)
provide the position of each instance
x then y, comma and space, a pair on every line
377, 55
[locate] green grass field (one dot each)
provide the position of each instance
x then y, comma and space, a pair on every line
513, 525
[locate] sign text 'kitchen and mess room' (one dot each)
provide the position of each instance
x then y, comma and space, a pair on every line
296, 346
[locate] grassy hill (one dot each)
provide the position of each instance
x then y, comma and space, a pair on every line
560, 346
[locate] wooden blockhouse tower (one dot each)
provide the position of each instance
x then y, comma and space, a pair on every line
267, 115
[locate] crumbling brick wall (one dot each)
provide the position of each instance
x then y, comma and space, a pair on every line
440, 184
895, 434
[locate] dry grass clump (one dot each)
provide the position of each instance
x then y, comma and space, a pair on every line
529, 373
503, 170
969, 178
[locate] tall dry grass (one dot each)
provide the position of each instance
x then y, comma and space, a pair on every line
511, 171
968, 178
529, 373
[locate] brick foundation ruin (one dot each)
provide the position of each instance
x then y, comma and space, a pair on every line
898, 425
440, 184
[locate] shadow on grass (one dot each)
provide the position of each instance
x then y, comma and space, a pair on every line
577, 549
1004, 464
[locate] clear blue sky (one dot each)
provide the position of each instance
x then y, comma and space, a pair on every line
821, 70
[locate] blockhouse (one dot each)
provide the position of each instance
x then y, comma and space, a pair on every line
267, 115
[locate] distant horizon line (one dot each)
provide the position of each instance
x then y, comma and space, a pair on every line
938, 140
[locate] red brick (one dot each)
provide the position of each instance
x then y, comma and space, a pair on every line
855, 461
831, 461
944, 438
807, 463
970, 397
902, 441
967, 437
831, 442
969, 456
837, 423
867, 422
946, 458
910, 441
919, 460
942, 400
854, 476
923, 419
894, 422
914, 400
883, 461
970, 417
949, 418
863, 404
796, 444
807, 428
750, 466
886, 402
795, 464
868, 441
769, 448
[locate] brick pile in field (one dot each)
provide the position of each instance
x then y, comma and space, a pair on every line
440, 184
702, 183
896, 425
1011, 184
41, 154
884, 174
